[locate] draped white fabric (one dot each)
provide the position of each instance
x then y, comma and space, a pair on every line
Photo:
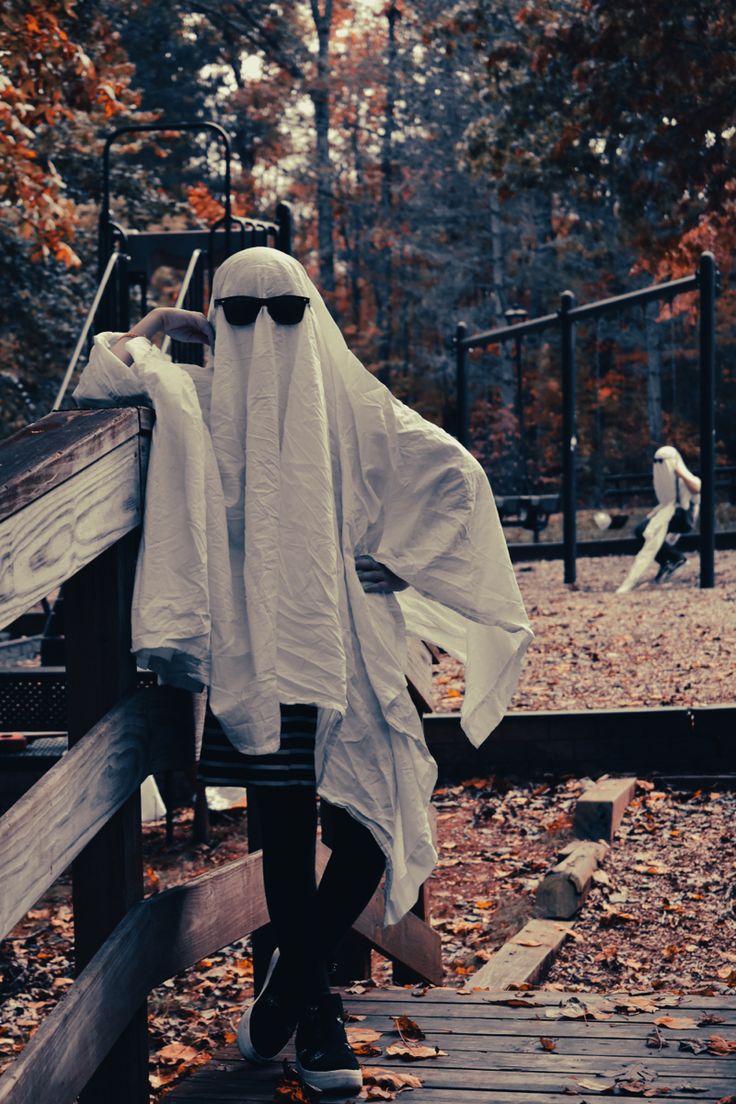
299, 461
671, 491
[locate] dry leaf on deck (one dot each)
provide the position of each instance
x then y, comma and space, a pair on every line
177, 1052
391, 1081
413, 1053
636, 1004
362, 1035
527, 943
596, 1086
718, 1045
676, 1023
292, 1090
365, 1050
547, 1044
408, 1028
710, 1018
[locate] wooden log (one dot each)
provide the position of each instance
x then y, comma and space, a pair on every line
57, 534
599, 810
525, 958
564, 888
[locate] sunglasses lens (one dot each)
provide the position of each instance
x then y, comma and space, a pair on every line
241, 310
287, 310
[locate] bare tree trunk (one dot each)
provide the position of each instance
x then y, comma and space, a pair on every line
320, 96
654, 375
509, 469
384, 311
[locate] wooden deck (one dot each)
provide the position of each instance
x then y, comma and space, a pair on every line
494, 1055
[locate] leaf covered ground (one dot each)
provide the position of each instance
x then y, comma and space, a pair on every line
671, 644
662, 913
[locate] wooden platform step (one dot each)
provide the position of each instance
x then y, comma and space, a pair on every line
494, 1054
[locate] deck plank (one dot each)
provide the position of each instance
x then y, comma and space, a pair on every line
494, 1055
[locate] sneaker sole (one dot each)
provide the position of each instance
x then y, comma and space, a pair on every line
330, 1080
245, 1046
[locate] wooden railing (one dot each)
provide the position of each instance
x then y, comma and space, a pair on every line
71, 494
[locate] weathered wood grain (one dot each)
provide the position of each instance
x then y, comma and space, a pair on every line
564, 888
48, 827
46, 453
514, 963
600, 808
56, 535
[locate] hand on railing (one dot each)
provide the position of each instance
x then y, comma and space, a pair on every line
183, 325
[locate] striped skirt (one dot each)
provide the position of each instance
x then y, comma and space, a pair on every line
221, 764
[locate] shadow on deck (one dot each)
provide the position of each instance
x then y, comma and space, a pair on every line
494, 1054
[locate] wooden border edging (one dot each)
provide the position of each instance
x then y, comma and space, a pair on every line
524, 552
700, 740
600, 808
524, 959
145, 732
564, 888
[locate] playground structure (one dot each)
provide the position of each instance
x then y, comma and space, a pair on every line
705, 282
127, 258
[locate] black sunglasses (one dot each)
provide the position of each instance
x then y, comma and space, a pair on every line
242, 310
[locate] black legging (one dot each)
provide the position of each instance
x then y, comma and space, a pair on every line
310, 922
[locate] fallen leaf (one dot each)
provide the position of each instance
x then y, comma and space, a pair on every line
547, 1044
596, 1086
408, 1028
362, 1035
391, 1081
718, 1045
409, 1053
292, 1090
177, 1052
676, 1023
527, 943
710, 1018
365, 1050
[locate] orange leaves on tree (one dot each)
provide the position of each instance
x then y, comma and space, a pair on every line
48, 80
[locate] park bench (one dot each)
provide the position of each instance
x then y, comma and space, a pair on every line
71, 495
528, 511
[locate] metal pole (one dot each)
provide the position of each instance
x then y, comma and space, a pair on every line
707, 278
520, 418
569, 438
461, 384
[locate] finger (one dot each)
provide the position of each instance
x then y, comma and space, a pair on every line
365, 561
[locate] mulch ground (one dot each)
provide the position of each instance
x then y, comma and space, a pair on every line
671, 644
662, 913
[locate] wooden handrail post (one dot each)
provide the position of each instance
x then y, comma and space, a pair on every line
108, 875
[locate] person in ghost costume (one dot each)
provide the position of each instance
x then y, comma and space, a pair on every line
676, 512
299, 521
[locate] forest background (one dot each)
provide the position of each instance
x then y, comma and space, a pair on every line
444, 162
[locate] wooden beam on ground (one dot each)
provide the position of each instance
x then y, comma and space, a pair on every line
599, 810
146, 732
524, 959
564, 888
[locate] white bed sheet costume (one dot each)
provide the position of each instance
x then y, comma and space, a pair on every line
271, 468
671, 492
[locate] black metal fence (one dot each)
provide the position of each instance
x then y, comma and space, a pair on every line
705, 281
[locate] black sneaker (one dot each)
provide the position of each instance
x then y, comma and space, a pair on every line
323, 1055
668, 569
268, 1022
